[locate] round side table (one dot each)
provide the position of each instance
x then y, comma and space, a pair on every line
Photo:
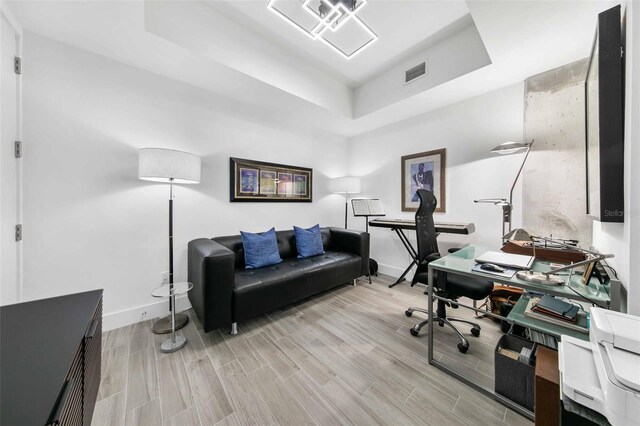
175, 342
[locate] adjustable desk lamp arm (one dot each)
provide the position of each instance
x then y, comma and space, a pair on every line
524, 160
496, 201
596, 257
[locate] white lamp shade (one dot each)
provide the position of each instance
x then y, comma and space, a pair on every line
162, 165
345, 185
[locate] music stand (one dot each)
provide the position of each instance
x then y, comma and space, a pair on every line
366, 207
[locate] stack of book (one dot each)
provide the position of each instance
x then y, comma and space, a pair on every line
543, 339
557, 308
558, 312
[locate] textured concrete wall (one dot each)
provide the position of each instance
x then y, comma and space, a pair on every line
554, 176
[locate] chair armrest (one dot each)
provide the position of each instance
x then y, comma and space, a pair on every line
430, 258
350, 241
211, 270
423, 267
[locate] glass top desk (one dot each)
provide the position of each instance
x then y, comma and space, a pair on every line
462, 262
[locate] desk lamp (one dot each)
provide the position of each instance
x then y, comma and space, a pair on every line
507, 148
345, 185
169, 166
549, 277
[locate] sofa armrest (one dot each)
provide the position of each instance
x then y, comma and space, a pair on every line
211, 270
350, 241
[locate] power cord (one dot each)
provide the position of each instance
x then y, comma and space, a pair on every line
593, 302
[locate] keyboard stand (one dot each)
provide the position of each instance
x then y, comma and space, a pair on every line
412, 252
398, 226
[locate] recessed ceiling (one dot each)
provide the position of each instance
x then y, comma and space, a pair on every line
401, 25
266, 73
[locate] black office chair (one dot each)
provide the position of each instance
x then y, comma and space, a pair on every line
449, 286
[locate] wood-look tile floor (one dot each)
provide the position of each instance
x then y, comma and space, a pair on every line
343, 357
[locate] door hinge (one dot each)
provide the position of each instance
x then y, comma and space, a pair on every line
19, 232
18, 149
17, 65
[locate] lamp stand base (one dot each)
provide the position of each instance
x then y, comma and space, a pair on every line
169, 345
163, 325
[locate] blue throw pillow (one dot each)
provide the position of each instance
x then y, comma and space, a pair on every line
260, 249
308, 241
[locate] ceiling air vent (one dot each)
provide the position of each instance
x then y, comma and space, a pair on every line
415, 72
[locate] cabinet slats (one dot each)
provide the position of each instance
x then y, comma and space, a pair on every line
92, 366
83, 377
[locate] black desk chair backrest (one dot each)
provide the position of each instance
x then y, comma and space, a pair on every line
450, 287
425, 226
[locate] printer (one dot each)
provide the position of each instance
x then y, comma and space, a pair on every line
603, 374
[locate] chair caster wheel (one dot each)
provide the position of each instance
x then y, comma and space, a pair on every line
414, 332
462, 348
408, 313
475, 332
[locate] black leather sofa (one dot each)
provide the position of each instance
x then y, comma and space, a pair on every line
225, 293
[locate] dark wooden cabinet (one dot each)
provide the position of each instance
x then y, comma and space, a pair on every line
50, 360
92, 364
547, 387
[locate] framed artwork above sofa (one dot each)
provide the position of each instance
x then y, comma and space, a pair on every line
252, 180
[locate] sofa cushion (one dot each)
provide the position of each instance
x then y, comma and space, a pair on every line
264, 289
260, 249
271, 287
246, 279
308, 241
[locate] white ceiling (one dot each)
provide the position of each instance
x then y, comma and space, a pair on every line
522, 38
401, 25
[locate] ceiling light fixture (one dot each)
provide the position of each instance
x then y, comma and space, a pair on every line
329, 15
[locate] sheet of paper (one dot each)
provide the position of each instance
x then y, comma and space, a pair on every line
376, 208
360, 207
367, 207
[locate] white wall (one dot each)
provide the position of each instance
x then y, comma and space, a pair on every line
468, 130
458, 54
90, 223
623, 239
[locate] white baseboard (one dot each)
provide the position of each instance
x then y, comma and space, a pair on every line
142, 313
159, 309
394, 271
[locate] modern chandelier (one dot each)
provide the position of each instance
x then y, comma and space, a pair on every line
333, 22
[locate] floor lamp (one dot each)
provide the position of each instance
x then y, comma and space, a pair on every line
507, 148
346, 185
172, 167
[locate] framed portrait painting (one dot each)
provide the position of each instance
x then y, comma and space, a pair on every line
424, 170
260, 181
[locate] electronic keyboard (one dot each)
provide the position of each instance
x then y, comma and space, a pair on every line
410, 224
